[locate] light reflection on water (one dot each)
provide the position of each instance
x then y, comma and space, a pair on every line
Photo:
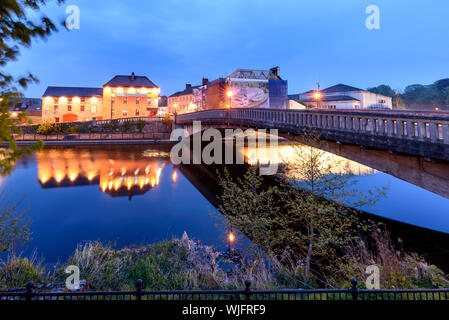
133, 195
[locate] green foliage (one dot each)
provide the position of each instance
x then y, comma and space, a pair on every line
16, 272
310, 211
140, 125
14, 225
17, 30
72, 130
166, 120
50, 128
418, 95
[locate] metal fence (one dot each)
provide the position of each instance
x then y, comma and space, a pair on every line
246, 294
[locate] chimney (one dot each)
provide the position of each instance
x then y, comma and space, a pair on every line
205, 81
276, 71
188, 85
133, 76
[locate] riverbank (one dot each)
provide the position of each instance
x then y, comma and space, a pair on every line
87, 142
185, 264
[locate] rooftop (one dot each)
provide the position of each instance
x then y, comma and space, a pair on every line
340, 88
332, 98
188, 90
72, 92
130, 81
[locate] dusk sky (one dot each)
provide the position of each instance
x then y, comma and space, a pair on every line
178, 42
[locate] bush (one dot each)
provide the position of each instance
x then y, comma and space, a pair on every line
45, 128
72, 130
16, 272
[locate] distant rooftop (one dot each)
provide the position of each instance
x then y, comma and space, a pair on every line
188, 90
340, 88
130, 81
72, 92
332, 98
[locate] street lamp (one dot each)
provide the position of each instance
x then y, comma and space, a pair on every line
229, 104
317, 97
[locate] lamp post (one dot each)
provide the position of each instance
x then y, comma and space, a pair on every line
317, 97
112, 102
229, 104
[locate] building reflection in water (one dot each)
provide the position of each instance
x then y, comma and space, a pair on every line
118, 174
287, 153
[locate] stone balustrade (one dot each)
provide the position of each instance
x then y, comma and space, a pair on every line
417, 133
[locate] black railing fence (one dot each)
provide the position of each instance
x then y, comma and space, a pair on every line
354, 293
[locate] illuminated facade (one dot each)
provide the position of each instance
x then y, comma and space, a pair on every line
121, 97
67, 104
115, 176
182, 101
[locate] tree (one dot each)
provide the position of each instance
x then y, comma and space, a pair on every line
17, 30
320, 195
14, 225
383, 90
310, 210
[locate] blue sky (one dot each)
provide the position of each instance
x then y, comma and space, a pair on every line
177, 42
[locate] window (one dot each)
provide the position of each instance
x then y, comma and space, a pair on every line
83, 99
124, 113
382, 101
395, 127
137, 112
55, 107
385, 126
137, 100
125, 100
148, 100
404, 128
82, 108
69, 108
93, 108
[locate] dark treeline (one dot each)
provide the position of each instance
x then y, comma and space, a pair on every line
434, 96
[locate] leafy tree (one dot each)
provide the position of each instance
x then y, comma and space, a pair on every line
14, 225
383, 89
311, 179
310, 210
17, 29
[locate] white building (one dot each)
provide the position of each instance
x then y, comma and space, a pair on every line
342, 96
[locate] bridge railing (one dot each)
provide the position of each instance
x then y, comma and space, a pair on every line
414, 126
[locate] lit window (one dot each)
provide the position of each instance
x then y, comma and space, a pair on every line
137, 112
56, 107
124, 113
125, 100
69, 108
137, 100
81, 108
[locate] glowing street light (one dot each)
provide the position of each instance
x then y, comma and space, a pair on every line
231, 237
230, 93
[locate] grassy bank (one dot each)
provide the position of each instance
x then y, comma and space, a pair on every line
184, 264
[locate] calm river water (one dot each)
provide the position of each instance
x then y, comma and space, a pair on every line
133, 194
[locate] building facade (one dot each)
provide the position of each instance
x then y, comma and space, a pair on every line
244, 88
67, 104
342, 96
182, 101
124, 96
